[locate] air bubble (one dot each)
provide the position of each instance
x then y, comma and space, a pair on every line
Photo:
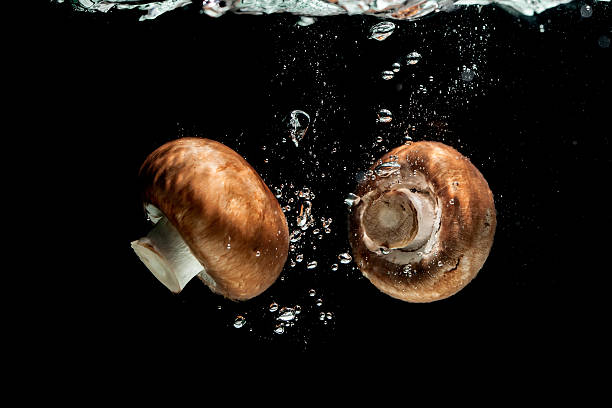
286, 314
413, 58
382, 31
387, 75
384, 116
345, 258
298, 125
239, 322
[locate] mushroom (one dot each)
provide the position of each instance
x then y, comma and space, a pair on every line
423, 223
214, 217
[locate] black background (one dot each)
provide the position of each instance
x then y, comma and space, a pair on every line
534, 120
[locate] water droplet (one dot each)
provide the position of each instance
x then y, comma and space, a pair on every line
239, 322
451, 201
387, 75
395, 67
586, 10
298, 125
273, 307
382, 30
279, 329
334, 267
311, 265
440, 263
345, 258
351, 200
257, 253
319, 302
413, 58
312, 292
387, 169
286, 314
384, 116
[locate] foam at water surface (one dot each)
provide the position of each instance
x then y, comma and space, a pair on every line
393, 9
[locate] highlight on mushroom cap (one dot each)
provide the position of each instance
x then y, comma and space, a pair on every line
423, 227
215, 218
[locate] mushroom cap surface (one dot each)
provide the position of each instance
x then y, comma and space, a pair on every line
462, 234
223, 210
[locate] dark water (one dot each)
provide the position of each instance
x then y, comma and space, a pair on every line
534, 119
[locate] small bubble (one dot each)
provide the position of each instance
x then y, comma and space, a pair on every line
413, 58
334, 267
273, 307
312, 292
467, 75
257, 253
542, 28
451, 201
299, 258
329, 315
440, 263
384, 116
239, 322
311, 265
586, 11
286, 314
279, 329
319, 302
387, 75
345, 258
395, 67
322, 316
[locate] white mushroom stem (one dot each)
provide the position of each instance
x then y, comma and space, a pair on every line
400, 218
167, 256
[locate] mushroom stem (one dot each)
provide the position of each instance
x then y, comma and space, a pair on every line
167, 256
391, 220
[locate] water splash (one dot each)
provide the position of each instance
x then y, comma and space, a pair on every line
389, 9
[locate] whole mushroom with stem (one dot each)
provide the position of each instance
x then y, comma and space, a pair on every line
214, 217
423, 223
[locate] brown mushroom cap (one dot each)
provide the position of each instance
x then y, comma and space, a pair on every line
453, 206
223, 210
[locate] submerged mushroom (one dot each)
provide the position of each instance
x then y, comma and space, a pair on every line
214, 217
424, 224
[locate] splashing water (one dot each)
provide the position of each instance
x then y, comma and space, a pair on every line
391, 9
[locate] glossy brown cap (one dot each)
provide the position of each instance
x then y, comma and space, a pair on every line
464, 222
223, 210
